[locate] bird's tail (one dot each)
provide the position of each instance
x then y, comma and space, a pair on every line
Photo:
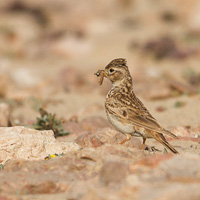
169, 133
160, 138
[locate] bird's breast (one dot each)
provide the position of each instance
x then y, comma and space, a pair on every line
120, 125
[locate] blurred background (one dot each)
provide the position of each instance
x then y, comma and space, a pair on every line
50, 50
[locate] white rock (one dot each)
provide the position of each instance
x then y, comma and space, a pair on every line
24, 143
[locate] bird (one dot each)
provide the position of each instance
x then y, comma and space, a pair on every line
124, 109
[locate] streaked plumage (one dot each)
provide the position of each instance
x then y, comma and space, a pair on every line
125, 111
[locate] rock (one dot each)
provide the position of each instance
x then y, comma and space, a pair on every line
106, 135
133, 142
112, 152
113, 173
182, 167
43, 188
183, 132
147, 163
171, 191
88, 140
4, 114
73, 193
97, 138
29, 144
196, 130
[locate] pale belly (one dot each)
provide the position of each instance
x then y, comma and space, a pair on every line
127, 128
122, 127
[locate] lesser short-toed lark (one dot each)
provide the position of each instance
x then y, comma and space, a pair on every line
125, 111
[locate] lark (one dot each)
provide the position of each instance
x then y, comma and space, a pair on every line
125, 111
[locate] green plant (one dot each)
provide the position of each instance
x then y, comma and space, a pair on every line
179, 104
48, 121
1, 166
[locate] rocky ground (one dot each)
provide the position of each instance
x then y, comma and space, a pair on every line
49, 53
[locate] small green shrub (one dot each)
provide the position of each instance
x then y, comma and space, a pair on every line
48, 121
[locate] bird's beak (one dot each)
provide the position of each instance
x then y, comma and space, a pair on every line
102, 74
105, 74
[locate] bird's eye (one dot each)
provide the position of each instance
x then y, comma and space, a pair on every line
112, 70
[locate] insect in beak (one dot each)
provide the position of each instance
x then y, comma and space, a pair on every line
101, 73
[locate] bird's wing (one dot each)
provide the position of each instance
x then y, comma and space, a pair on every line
135, 112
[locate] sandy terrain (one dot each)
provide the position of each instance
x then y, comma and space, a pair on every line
49, 53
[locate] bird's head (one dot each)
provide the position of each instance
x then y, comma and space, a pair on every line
116, 71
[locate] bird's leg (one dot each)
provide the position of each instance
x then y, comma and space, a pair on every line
128, 137
148, 148
143, 144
